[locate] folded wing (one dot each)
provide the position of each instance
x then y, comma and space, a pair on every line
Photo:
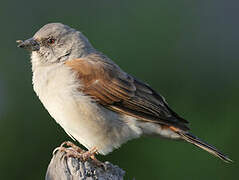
116, 90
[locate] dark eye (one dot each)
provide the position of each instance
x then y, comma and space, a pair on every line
51, 41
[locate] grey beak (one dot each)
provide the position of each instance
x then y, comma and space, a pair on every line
29, 44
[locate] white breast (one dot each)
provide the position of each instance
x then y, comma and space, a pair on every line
81, 117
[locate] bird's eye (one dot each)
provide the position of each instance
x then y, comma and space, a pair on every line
51, 41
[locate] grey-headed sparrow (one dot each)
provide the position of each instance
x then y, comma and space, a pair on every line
93, 99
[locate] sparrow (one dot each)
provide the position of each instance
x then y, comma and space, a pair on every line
93, 99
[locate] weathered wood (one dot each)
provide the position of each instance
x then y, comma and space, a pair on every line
62, 167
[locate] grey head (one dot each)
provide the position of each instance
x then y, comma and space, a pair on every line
56, 42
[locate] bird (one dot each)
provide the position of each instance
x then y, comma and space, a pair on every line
94, 100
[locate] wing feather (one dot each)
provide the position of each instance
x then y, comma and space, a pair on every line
116, 90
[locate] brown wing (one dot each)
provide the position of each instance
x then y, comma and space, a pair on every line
118, 91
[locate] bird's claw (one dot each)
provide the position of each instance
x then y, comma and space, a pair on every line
73, 150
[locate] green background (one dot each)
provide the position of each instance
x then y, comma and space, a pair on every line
186, 50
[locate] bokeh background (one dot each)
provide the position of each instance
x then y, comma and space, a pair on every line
187, 50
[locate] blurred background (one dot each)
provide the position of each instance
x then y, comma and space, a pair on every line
186, 50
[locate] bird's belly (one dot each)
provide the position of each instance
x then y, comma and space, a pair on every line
88, 122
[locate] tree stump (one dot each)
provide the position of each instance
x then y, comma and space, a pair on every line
62, 167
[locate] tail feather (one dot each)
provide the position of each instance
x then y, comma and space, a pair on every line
199, 143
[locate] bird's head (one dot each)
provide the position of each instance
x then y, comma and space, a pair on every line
56, 42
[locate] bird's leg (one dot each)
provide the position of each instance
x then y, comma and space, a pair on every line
73, 146
91, 154
70, 144
70, 152
77, 152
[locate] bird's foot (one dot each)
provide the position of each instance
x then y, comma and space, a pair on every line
69, 144
74, 151
73, 146
90, 154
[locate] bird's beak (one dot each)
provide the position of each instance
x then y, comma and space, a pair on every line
29, 44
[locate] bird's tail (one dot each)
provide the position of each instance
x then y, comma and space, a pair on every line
199, 143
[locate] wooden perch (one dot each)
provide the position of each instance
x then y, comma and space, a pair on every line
62, 167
